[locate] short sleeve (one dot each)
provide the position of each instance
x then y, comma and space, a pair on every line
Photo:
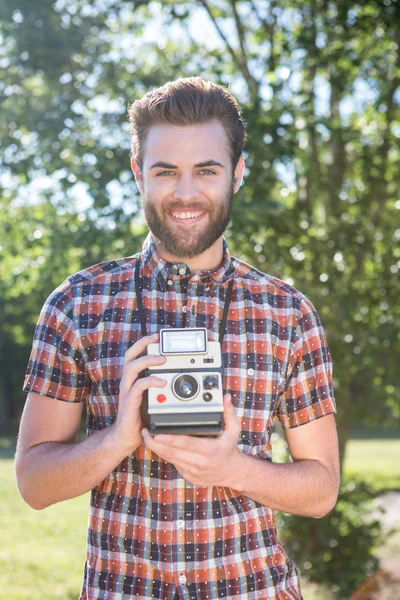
308, 390
56, 366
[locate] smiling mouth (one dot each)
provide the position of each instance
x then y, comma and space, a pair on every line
187, 216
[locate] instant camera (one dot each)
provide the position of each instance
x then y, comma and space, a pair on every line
192, 401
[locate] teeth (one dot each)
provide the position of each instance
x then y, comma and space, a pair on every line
187, 215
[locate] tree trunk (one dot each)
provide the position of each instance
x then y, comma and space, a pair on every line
343, 422
4, 404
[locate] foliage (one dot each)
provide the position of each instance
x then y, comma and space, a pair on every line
40, 248
340, 549
319, 85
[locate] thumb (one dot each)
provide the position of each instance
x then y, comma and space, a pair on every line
230, 417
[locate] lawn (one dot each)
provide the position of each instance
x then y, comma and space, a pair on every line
375, 460
42, 553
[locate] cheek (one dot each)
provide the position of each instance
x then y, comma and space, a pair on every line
157, 191
214, 191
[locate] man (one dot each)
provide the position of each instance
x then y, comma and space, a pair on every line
178, 516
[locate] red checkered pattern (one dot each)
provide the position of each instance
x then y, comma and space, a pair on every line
151, 533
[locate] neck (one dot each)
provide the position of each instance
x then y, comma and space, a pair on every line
209, 260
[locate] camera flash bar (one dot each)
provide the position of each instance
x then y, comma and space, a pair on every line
183, 341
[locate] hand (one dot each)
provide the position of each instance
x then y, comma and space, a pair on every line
202, 461
128, 423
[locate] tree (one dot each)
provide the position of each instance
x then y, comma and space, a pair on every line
319, 85
325, 114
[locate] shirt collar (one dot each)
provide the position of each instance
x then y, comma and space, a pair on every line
163, 270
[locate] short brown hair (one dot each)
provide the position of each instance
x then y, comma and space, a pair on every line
187, 101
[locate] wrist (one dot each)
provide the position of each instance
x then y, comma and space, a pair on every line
238, 469
119, 445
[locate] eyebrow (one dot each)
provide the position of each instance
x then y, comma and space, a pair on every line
206, 163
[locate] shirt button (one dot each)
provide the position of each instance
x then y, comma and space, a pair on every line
250, 372
182, 579
182, 271
181, 524
170, 282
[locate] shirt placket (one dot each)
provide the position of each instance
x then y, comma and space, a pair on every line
194, 286
177, 283
182, 574
183, 525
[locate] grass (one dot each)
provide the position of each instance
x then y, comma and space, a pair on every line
376, 461
43, 552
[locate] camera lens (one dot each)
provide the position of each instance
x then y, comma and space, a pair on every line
185, 387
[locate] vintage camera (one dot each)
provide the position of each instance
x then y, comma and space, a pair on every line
192, 401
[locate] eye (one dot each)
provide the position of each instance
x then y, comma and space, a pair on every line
207, 172
165, 173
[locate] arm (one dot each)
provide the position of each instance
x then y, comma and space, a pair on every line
308, 486
50, 466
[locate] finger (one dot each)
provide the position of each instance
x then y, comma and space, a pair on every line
149, 439
183, 442
152, 445
230, 416
139, 347
178, 458
132, 370
175, 444
140, 364
144, 383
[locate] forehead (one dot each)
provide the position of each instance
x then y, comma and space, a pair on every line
186, 144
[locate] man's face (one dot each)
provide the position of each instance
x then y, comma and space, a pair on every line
187, 186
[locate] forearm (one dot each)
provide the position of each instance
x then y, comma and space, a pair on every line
304, 487
54, 471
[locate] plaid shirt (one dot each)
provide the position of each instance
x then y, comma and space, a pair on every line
151, 533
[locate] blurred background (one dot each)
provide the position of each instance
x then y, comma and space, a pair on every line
319, 83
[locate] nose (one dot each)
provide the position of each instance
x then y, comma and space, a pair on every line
186, 188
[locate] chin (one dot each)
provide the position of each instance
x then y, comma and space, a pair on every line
184, 252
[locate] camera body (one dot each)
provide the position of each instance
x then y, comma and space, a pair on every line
192, 401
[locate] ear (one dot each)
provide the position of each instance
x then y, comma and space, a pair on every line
238, 174
138, 175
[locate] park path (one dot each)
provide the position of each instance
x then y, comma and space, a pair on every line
385, 584
390, 554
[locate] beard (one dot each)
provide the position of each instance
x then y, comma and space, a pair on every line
188, 242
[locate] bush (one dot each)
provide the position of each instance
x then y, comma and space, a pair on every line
340, 549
